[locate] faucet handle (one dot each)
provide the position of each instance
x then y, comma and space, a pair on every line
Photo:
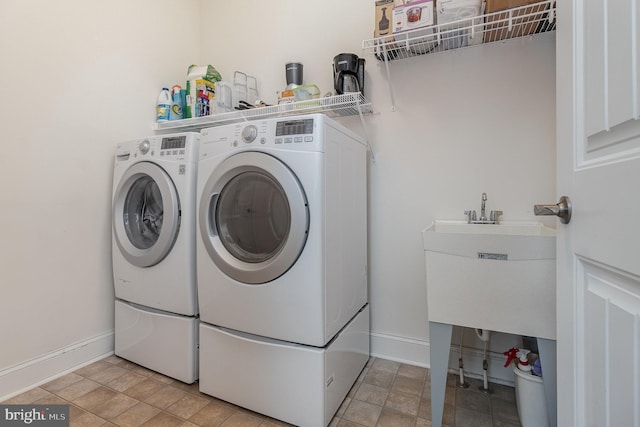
495, 215
471, 216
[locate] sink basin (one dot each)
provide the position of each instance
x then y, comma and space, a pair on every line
519, 228
499, 277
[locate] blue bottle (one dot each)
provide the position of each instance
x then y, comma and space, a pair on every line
176, 103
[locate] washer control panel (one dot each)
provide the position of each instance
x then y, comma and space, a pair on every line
176, 147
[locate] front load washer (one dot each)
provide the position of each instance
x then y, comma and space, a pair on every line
282, 265
153, 250
282, 226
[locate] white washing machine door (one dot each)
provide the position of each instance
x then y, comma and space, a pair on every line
254, 217
146, 214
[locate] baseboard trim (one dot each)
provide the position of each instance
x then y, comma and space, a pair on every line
400, 349
416, 352
29, 374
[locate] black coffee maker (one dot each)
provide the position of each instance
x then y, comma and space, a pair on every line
348, 73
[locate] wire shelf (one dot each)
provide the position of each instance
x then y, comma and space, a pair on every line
348, 104
489, 28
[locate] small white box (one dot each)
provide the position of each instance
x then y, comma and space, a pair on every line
469, 31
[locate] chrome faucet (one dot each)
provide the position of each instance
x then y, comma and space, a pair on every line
483, 216
494, 216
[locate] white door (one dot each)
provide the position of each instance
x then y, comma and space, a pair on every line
598, 138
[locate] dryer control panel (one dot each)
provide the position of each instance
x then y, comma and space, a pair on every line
295, 133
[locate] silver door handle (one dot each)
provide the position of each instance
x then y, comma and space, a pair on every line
562, 210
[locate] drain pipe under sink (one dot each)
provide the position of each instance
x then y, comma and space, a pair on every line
484, 336
461, 381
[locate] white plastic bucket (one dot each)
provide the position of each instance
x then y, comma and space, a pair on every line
530, 399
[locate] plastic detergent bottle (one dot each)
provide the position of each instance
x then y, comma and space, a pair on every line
176, 103
164, 105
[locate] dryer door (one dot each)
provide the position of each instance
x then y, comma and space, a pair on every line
254, 217
146, 214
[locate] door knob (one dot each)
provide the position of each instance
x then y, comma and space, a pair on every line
562, 210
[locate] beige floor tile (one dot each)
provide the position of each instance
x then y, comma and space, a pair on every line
379, 377
87, 419
188, 405
362, 413
372, 394
408, 385
390, 418
62, 382
343, 407
28, 397
413, 372
136, 415
502, 410
129, 379
108, 374
470, 418
165, 397
93, 368
212, 415
163, 420
162, 378
95, 398
403, 402
386, 365
113, 359
144, 389
347, 423
78, 389
423, 423
141, 370
52, 399
115, 406
473, 399
242, 419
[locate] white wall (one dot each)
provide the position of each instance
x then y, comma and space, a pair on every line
81, 75
467, 122
77, 76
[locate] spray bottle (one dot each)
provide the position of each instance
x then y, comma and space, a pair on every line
523, 362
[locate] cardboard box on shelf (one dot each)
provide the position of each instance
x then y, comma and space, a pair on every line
384, 19
415, 20
413, 15
520, 26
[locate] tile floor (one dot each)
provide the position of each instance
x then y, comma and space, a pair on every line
114, 391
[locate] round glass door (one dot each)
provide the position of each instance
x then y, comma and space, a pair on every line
254, 217
146, 214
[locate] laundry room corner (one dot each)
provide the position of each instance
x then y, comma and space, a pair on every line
78, 77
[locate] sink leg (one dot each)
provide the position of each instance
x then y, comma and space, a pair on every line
439, 343
547, 349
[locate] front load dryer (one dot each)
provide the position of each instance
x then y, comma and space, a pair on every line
153, 250
282, 265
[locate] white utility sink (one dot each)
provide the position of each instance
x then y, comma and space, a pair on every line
499, 277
